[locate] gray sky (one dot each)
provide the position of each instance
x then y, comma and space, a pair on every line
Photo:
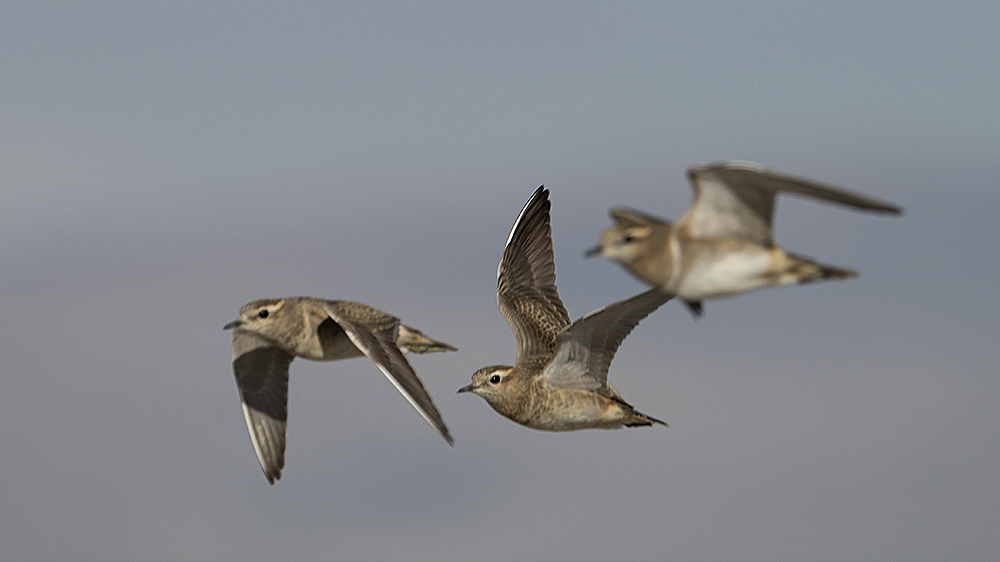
162, 164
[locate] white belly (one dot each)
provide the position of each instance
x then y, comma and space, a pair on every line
726, 275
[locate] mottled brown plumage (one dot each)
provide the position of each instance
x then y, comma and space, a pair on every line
269, 333
559, 378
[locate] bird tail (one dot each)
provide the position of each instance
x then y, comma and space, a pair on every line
805, 270
831, 272
639, 419
642, 420
411, 339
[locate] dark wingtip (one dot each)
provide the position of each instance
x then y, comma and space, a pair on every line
654, 420
886, 209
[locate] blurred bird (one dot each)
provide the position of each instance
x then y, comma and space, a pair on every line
723, 245
559, 381
269, 333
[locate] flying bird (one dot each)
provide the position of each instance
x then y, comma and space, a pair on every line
723, 245
559, 381
269, 333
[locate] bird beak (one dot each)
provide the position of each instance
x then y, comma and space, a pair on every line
233, 324
465, 389
595, 251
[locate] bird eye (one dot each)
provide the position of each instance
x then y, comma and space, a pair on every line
495, 379
628, 239
262, 314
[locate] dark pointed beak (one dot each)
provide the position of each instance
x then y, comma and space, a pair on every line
233, 324
465, 389
595, 251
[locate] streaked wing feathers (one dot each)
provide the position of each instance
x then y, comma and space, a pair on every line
526, 277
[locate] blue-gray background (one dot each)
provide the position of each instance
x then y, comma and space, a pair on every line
161, 164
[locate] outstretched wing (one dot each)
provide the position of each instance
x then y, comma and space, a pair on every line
586, 349
374, 333
736, 199
526, 281
261, 371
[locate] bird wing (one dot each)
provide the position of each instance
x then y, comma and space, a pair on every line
374, 333
585, 350
526, 281
261, 371
736, 199
624, 216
